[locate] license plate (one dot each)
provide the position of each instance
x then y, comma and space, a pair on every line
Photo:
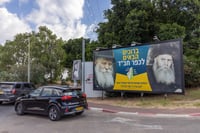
1, 92
79, 108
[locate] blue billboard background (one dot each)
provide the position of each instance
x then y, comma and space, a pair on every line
134, 68
134, 57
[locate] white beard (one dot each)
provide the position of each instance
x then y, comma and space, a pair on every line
104, 77
164, 75
75, 74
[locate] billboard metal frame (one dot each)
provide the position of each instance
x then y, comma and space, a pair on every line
135, 68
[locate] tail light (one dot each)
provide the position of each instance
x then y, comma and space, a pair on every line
84, 95
66, 110
64, 98
13, 91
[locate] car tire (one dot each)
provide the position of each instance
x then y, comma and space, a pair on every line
1, 102
54, 113
79, 113
20, 109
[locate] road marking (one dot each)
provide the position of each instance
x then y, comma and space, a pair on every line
131, 123
120, 120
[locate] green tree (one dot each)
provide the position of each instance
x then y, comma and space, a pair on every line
46, 56
47, 52
14, 58
141, 20
73, 50
90, 47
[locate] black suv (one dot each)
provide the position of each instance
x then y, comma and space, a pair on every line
54, 101
10, 91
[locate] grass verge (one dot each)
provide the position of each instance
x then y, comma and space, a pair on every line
191, 99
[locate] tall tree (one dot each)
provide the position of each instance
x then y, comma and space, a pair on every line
46, 56
140, 20
14, 58
47, 51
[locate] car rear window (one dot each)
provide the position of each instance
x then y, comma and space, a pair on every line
6, 86
29, 86
72, 92
18, 86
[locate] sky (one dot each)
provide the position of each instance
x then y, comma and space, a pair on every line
68, 19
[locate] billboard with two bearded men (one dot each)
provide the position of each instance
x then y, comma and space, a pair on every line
155, 67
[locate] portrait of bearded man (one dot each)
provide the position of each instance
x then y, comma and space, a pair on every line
104, 72
161, 69
76, 70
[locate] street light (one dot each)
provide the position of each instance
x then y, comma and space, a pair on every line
100, 48
116, 46
133, 43
155, 38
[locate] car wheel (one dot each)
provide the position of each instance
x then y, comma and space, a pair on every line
54, 113
79, 113
1, 102
20, 109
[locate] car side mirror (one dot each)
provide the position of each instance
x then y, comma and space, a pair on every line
28, 95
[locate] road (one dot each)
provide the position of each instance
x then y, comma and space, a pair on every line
94, 122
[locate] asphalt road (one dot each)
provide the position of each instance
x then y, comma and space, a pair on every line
94, 122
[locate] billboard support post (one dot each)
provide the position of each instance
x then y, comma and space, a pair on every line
122, 94
142, 95
102, 95
165, 96
75, 83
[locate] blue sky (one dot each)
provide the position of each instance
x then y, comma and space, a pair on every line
66, 18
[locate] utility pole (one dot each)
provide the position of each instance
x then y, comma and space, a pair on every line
29, 60
83, 65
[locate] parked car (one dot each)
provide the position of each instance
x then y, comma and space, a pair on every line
54, 101
10, 91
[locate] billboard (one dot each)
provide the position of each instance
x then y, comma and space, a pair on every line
76, 70
156, 68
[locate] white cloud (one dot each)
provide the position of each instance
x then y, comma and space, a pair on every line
91, 32
10, 25
63, 17
4, 1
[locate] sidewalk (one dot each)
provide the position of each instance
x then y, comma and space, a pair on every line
178, 112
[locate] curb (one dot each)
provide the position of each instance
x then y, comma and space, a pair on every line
146, 114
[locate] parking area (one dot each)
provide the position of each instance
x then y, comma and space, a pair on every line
93, 122
12, 123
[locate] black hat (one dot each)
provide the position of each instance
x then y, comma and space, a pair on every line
108, 54
163, 49
159, 49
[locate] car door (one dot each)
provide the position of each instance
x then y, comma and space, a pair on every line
44, 98
31, 103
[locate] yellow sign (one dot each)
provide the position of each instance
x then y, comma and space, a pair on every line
137, 83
